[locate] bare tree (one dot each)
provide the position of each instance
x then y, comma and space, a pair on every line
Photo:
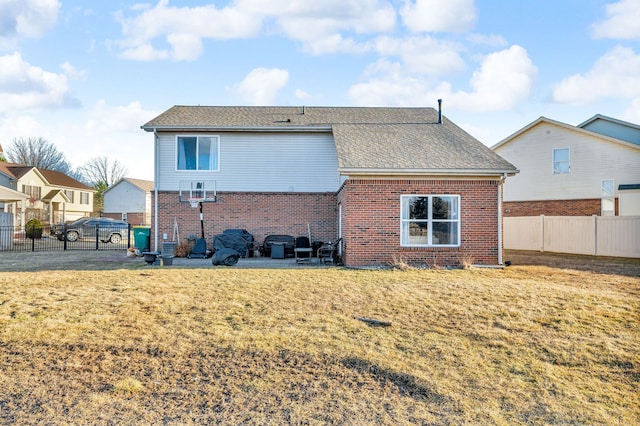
37, 152
101, 173
100, 170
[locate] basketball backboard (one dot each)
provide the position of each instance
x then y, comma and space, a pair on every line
203, 191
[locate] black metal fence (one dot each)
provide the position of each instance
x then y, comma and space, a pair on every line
46, 238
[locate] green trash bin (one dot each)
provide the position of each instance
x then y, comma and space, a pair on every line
142, 237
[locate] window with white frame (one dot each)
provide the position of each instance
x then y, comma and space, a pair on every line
608, 202
608, 188
69, 193
84, 198
197, 152
430, 220
561, 161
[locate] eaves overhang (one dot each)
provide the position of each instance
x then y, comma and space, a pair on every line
323, 129
426, 172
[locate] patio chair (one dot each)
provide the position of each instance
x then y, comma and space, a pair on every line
303, 250
330, 252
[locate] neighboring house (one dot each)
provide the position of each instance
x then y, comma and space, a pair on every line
129, 200
52, 196
396, 184
565, 170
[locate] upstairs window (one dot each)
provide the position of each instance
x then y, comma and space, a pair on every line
561, 164
198, 153
32, 191
69, 193
84, 198
430, 220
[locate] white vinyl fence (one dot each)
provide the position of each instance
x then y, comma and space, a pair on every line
592, 235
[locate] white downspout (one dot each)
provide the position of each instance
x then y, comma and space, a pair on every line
155, 189
502, 179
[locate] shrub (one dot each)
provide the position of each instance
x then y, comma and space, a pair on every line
183, 250
33, 229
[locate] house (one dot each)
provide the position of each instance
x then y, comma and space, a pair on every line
129, 200
393, 183
51, 196
565, 170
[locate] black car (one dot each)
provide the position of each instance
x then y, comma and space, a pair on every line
109, 230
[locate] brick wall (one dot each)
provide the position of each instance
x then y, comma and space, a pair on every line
260, 214
587, 207
371, 222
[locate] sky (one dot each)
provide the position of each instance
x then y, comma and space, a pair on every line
86, 75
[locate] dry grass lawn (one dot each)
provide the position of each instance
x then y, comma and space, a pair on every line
131, 344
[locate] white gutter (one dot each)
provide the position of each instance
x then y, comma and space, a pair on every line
156, 152
430, 172
504, 177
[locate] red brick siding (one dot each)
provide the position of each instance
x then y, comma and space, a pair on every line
587, 207
260, 214
371, 222
132, 218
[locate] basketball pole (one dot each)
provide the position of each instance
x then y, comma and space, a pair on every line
201, 220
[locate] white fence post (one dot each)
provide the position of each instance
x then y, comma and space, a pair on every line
595, 232
542, 233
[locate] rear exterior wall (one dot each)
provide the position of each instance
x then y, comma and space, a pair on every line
261, 214
371, 222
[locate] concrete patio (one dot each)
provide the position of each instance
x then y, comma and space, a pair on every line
256, 262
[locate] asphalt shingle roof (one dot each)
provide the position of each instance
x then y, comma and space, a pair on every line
53, 177
375, 139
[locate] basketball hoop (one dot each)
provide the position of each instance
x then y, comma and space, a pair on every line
195, 202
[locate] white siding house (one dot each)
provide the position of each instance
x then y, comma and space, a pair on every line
568, 170
129, 200
51, 196
254, 162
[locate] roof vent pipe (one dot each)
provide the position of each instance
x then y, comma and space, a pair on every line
302, 109
439, 111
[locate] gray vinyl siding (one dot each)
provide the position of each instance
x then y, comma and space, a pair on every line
260, 162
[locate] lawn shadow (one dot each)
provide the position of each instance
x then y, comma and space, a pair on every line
406, 384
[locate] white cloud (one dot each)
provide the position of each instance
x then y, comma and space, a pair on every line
491, 40
104, 130
302, 95
114, 132
26, 18
183, 29
24, 86
322, 25
616, 74
393, 90
18, 126
504, 80
439, 15
109, 119
622, 22
177, 33
72, 72
261, 86
334, 43
424, 55
632, 113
